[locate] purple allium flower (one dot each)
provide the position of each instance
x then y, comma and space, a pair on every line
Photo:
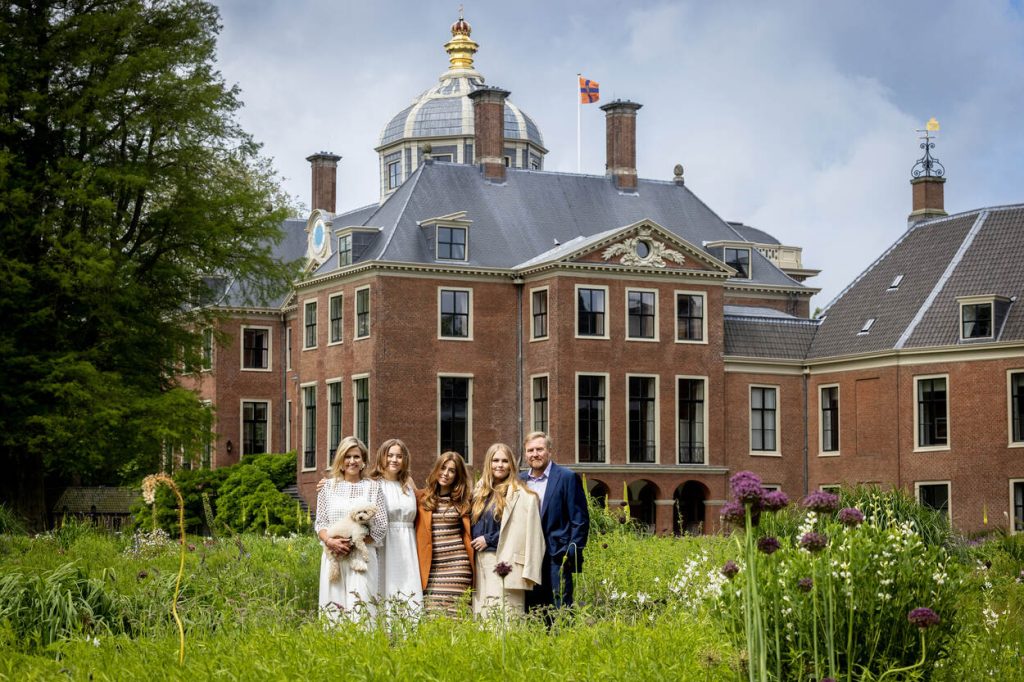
730, 569
733, 512
849, 516
828, 679
502, 569
814, 542
822, 502
622, 519
923, 618
746, 487
604, 545
805, 584
768, 544
774, 501
622, 503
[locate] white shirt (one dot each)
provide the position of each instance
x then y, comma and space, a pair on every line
539, 484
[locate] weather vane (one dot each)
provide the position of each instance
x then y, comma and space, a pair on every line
927, 166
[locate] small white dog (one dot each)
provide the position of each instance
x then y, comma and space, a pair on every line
355, 526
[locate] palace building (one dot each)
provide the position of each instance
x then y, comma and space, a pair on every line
662, 347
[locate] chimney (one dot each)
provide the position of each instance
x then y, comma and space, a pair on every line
927, 180
489, 123
325, 180
620, 128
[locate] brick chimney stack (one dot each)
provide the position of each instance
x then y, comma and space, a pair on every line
620, 130
928, 198
489, 124
325, 180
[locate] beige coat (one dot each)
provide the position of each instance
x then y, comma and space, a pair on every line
521, 540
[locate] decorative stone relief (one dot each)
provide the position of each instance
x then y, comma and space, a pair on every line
643, 250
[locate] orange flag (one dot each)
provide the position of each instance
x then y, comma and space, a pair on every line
589, 91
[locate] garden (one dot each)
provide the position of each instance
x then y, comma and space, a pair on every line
866, 585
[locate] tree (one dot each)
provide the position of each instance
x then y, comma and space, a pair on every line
126, 187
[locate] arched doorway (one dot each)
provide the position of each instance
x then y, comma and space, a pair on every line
598, 491
688, 518
642, 495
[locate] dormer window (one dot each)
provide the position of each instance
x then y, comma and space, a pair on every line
867, 326
394, 174
976, 321
739, 260
895, 283
451, 243
345, 250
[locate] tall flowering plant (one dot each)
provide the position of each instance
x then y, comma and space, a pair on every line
149, 486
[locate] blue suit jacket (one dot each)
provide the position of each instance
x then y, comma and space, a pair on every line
564, 516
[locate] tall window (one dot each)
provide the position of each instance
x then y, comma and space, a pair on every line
288, 348
539, 306
254, 427
641, 306
362, 393
255, 348
309, 427
1018, 506
762, 419
830, 419
345, 250
362, 313
455, 313
590, 311
451, 243
739, 260
334, 309
333, 419
932, 418
288, 426
976, 321
689, 317
540, 404
1017, 407
310, 314
934, 495
643, 433
207, 359
454, 415
691, 421
590, 418
394, 174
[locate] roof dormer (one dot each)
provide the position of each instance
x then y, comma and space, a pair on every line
981, 317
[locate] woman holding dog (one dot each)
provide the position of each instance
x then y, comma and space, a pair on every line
442, 534
400, 583
354, 592
506, 530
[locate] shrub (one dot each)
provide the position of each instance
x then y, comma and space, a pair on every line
10, 522
250, 502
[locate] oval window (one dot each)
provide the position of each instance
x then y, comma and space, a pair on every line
643, 249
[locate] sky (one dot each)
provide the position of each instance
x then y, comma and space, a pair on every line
796, 117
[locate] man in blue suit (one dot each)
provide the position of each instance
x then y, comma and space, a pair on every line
564, 517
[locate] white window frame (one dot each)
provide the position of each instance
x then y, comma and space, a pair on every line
330, 300
949, 494
533, 414
213, 350
576, 314
822, 452
288, 348
316, 317
341, 433
657, 314
469, 320
465, 249
675, 418
657, 416
830, 488
241, 425
547, 297
468, 455
387, 174
302, 438
1012, 529
576, 414
1010, 442
750, 260
949, 425
355, 313
355, 406
777, 452
288, 426
675, 316
990, 301
270, 349
771, 487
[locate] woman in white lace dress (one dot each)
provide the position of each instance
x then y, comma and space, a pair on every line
354, 593
399, 567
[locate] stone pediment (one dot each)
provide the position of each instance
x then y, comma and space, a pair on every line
648, 245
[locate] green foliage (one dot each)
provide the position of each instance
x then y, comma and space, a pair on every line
249, 502
192, 483
280, 467
11, 522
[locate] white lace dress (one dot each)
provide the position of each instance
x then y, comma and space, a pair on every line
399, 568
354, 594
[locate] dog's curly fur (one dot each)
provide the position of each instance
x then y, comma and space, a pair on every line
355, 526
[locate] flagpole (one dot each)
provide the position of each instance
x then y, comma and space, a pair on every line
579, 105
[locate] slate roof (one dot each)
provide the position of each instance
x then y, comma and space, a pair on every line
107, 500
236, 293
768, 337
753, 234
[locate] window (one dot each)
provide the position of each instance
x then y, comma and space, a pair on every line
362, 313
288, 348
830, 419
590, 418
309, 427
361, 390
690, 396
255, 348
689, 317
763, 419
540, 404
866, 327
739, 260
643, 428
310, 322
895, 283
453, 415
932, 417
539, 311
454, 321
333, 419
590, 311
976, 321
830, 488
1016, 403
642, 307
1017, 504
254, 426
451, 243
934, 496
443, 158
394, 174
344, 250
335, 305
207, 357
288, 427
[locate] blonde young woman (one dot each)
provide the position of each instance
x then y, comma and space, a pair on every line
399, 565
442, 534
354, 593
506, 530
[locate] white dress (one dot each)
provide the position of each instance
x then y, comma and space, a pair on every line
399, 567
354, 594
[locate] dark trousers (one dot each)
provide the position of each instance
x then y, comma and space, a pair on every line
556, 588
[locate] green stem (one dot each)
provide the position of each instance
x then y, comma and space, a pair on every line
177, 584
814, 621
907, 668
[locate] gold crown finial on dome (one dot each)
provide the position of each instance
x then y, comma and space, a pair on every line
461, 47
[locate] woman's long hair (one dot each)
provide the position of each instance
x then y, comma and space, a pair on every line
346, 444
488, 492
460, 486
380, 463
